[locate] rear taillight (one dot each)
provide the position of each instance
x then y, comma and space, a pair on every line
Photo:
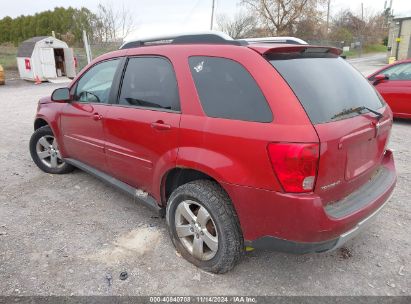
295, 165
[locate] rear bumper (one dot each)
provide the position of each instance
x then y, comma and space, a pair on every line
299, 223
273, 243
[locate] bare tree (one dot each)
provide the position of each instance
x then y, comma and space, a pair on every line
113, 24
126, 22
369, 27
106, 17
281, 16
242, 25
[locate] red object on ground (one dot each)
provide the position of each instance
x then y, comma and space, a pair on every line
37, 80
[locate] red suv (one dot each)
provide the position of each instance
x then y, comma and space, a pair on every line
261, 145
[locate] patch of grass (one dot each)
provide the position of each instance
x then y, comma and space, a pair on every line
375, 48
8, 57
372, 48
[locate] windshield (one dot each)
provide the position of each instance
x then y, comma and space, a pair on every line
328, 88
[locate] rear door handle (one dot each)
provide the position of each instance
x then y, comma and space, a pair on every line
97, 116
160, 125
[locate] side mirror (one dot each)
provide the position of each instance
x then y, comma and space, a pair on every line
379, 78
61, 95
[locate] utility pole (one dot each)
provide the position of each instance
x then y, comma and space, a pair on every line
212, 15
328, 18
87, 47
362, 11
362, 29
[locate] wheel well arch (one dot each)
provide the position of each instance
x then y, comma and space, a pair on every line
178, 176
39, 122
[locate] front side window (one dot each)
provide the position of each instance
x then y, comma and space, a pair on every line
399, 72
227, 90
95, 84
150, 82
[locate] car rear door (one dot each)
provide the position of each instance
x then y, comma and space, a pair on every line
82, 119
396, 90
142, 128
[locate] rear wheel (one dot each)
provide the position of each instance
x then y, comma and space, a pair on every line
204, 226
45, 152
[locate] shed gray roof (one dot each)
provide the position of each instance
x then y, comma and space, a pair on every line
26, 47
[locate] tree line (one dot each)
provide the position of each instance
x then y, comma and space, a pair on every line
106, 24
306, 19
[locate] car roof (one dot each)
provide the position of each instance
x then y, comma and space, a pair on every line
216, 40
261, 48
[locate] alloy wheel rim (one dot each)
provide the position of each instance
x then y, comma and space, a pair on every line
48, 152
196, 230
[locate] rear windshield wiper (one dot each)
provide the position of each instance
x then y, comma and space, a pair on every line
378, 114
356, 110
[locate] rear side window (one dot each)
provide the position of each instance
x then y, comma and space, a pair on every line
150, 82
329, 88
227, 90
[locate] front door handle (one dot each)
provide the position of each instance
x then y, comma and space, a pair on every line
160, 125
97, 116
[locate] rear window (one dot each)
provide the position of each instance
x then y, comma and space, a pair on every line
329, 88
227, 90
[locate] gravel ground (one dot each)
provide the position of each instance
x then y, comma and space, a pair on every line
73, 235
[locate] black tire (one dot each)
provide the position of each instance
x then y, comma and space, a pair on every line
45, 132
215, 200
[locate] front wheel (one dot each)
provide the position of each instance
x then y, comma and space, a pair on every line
45, 152
204, 227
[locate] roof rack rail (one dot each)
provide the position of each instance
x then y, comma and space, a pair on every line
277, 40
212, 37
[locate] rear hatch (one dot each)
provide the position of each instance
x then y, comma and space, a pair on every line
351, 120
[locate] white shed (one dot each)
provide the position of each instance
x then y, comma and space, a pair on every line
47, 58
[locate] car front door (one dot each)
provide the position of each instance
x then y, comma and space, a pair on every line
82, 118
142, 128
396, 90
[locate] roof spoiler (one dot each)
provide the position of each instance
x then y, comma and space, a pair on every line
301, 49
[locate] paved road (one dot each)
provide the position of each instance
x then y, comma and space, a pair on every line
369, 64
72, 234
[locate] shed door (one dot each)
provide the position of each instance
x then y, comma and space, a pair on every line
69, 63
48, 63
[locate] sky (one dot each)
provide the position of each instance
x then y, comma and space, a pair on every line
154, 17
